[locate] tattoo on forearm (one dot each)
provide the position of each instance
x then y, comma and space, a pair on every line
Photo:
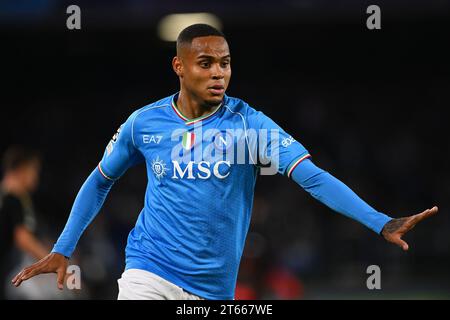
394, 225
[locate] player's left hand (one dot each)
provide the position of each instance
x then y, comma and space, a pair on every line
394, 230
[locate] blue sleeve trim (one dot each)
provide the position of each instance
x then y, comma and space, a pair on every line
103, 173
295, 163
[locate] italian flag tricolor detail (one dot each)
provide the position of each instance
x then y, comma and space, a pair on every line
296, 163
188, 140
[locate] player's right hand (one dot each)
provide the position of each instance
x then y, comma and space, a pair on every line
51, 263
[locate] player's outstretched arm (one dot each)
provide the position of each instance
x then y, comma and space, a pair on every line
87, 204
120, 155
52, 263
394, 230
337, 196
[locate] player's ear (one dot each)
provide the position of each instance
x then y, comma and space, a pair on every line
177, 66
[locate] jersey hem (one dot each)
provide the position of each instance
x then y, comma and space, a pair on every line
168, 277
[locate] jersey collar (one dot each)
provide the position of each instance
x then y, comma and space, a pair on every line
188, 121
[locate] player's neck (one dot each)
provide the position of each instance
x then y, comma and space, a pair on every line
192, 108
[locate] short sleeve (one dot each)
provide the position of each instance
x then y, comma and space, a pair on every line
121, 152
276, 148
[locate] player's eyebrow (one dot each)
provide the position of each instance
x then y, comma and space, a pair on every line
206, 56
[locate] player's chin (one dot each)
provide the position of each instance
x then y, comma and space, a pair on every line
214, 99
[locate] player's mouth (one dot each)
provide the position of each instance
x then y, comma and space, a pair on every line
217, 89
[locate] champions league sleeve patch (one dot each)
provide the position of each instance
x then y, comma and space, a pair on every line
110, 146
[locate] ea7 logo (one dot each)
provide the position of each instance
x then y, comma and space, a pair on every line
151, 139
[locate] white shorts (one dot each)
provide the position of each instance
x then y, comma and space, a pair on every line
136, 284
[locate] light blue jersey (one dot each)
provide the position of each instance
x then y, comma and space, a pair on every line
201, 179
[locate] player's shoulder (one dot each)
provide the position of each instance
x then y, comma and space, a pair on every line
240, 106
153, 107
149, 110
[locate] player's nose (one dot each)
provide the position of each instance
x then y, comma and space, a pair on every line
217, 72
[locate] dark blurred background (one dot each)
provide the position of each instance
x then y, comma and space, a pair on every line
370, 106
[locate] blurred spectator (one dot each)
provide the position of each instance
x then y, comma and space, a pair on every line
21, 169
